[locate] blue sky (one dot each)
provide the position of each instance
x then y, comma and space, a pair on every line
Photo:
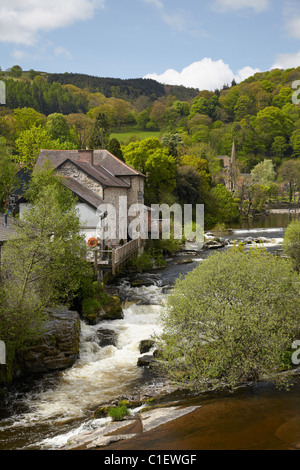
197, 43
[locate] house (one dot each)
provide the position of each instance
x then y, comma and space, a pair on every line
97, 178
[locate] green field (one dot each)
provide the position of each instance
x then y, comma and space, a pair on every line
127, 132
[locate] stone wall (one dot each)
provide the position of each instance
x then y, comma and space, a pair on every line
68, 169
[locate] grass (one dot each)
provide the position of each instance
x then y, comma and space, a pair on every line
127, 132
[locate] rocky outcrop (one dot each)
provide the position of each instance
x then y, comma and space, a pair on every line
57, 348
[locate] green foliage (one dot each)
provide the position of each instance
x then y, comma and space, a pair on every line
291, 243
100, 134
230, 320
152, 159
264, 173
8, 180
142, 263
43, 264
226, 208
118, 413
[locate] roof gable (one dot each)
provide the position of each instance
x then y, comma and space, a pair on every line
82, 192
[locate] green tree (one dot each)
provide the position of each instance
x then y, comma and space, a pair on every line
226, 209
230, 320
152, 159
29, 143
16, 71
58, 129
264, 173
289, 172
114, 147
44, 264
8, 169
291, 243
100, 134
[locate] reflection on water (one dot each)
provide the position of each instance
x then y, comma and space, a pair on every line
273, 220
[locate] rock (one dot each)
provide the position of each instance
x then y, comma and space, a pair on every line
184, 261
112, 311
57, 348
146, 345
106, 337
146, 360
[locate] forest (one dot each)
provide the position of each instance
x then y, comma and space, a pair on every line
174, 134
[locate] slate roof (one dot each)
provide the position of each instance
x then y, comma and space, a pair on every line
101, 175
102, 160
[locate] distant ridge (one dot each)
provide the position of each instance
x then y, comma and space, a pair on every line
131, 88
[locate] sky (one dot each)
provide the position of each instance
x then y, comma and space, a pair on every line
196, 43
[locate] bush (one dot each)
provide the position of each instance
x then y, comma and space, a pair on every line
118, 413
291, 243
230, 320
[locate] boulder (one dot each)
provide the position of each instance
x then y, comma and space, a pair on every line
106, 337
146, 360
112, 311
57, 348
146, 345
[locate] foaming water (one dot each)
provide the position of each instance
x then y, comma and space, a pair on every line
99, 375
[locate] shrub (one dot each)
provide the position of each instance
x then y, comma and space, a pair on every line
291, 243
231, 320
118, 413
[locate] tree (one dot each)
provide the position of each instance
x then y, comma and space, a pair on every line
230, 320
226, 208
44, 264
30, 142
264, 173
291, 243
58, 129
114, 147
81, 126
151, 158
289, 172
100, 133
16, 71
8, 169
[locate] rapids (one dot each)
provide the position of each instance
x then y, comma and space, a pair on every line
43, 412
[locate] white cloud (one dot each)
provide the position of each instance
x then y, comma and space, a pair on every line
204, 75
286, 61
61, 51
228, 5
293, 27
22, 20
178, 20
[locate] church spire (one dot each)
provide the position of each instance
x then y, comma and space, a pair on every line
233, 154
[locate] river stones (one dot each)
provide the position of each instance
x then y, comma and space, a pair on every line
106, 337
145, 345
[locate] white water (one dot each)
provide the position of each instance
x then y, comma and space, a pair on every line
100, 375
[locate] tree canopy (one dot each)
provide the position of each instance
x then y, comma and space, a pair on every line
231, 320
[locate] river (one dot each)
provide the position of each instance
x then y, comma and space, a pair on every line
43, 412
